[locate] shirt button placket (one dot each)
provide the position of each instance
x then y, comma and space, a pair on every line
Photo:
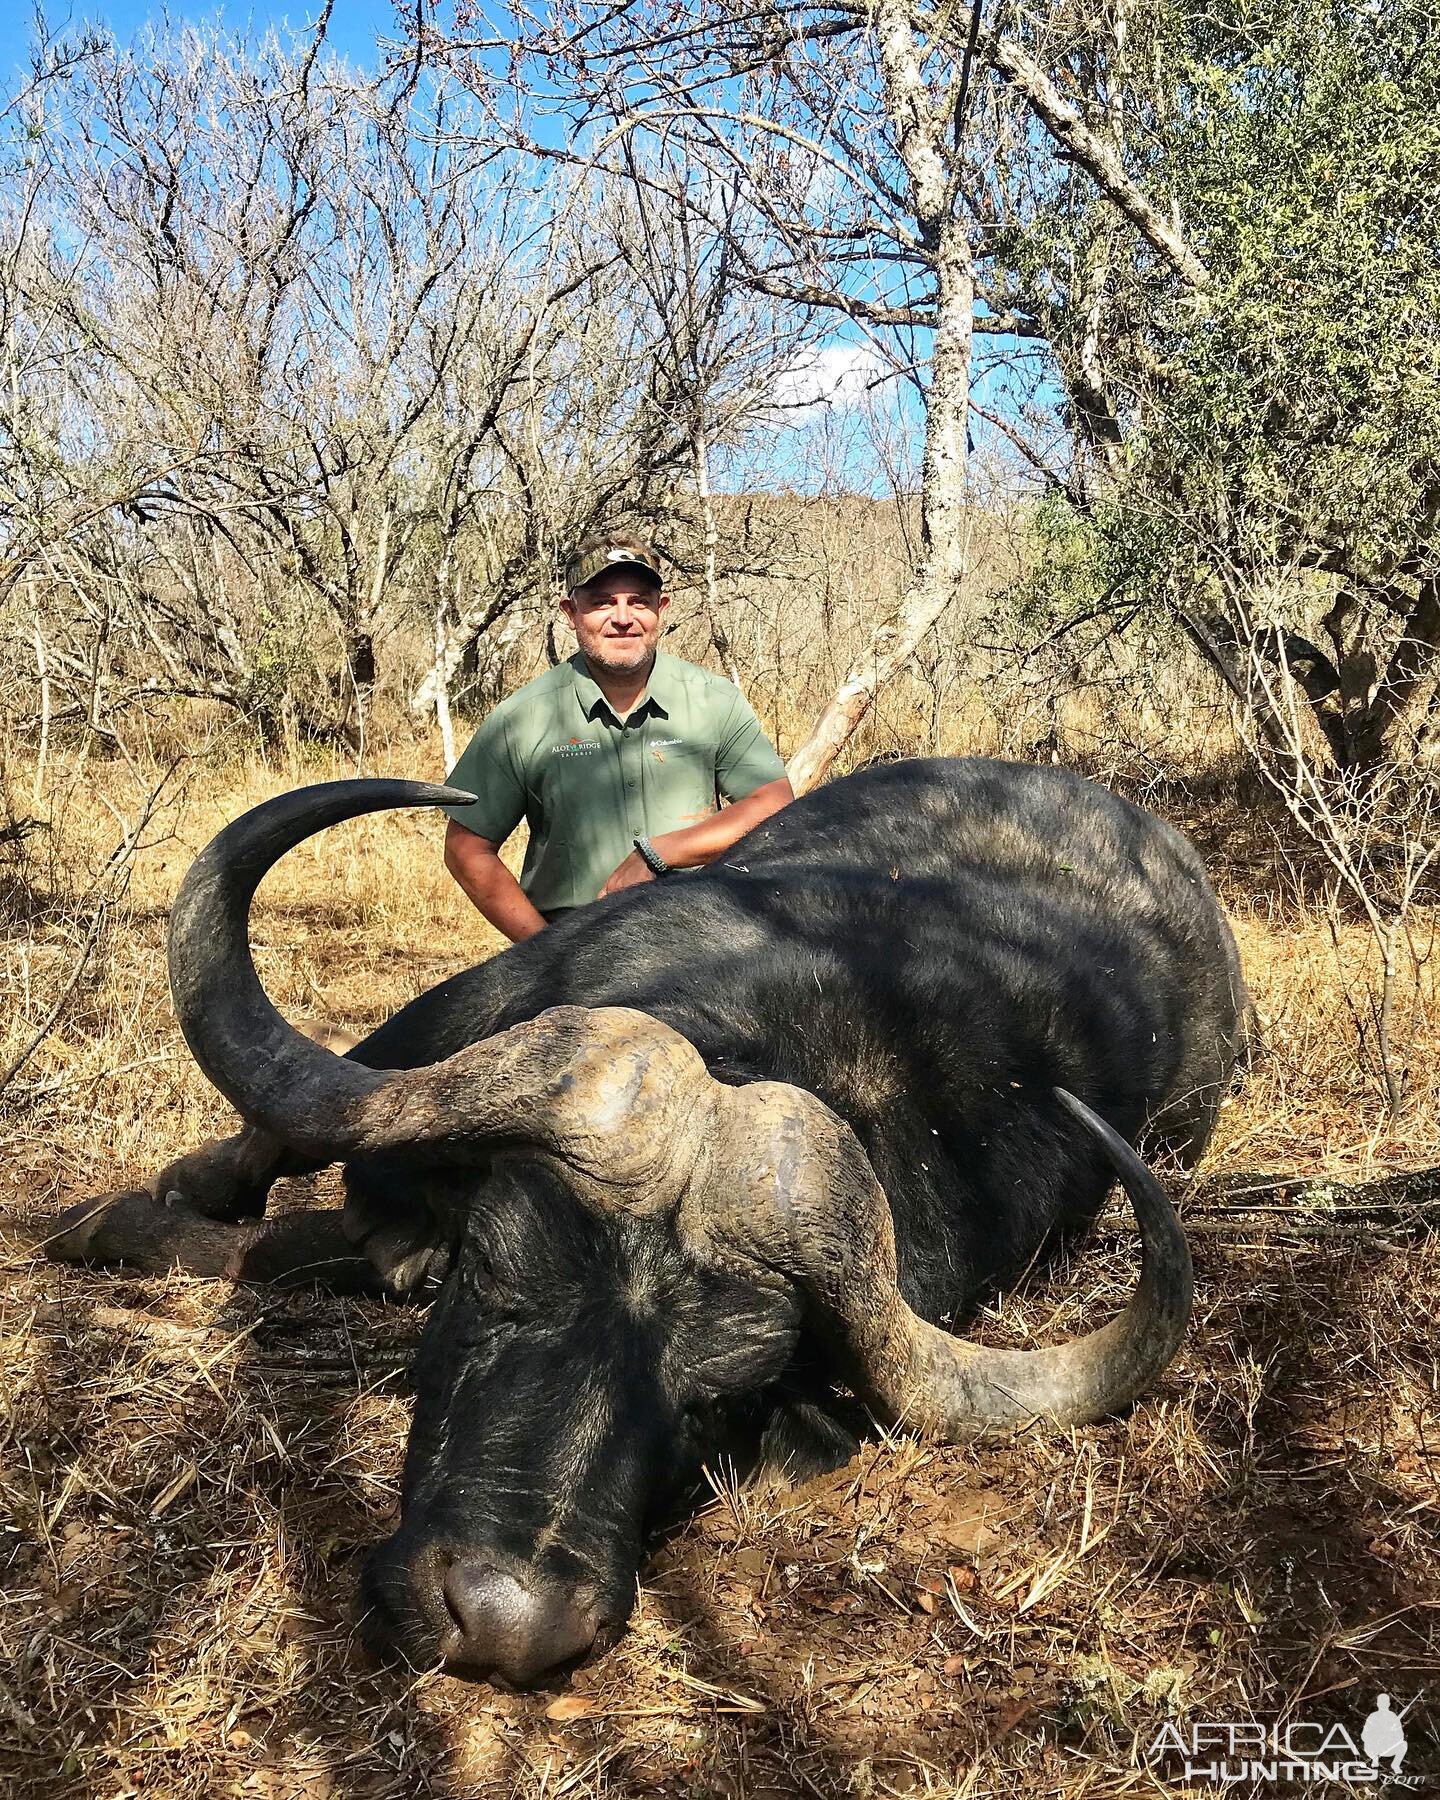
632, 744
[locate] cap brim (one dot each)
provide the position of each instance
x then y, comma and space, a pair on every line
624, 562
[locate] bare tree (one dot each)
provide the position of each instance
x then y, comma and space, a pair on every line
827, 146
295, 364
719, 351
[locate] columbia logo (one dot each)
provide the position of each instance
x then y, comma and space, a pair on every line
666, 743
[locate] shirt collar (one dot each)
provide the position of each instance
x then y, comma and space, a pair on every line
660, 690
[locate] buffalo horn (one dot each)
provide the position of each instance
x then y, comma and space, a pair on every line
808, 1206
614, 1097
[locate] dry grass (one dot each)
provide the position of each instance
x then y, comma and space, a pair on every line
189, 1472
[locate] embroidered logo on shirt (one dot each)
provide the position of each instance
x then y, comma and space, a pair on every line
574, 747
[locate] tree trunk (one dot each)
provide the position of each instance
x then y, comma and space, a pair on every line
42, 670
360, 639
1375, 731
442, 692
719, 637
460, 641
945, 522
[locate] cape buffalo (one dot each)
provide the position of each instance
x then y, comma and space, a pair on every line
686, 1162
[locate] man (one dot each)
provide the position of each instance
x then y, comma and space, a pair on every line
617, 758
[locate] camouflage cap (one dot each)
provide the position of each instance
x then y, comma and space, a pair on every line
615, 551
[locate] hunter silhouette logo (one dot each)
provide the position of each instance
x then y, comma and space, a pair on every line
1384, 1735
1225, 1753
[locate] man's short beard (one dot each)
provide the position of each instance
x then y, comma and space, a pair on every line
612, 667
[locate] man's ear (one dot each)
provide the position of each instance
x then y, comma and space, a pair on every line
567, 606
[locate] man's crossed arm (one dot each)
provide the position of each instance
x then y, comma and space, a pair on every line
694, 845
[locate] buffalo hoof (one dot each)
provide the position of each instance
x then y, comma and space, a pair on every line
218, 1180
404, 1241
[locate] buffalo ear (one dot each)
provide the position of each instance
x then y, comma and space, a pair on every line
406, 1262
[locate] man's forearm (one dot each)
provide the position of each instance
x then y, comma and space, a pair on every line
499, 896
696, 845
490, 886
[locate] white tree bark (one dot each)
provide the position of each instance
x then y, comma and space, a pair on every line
442, 693
1101, 160
453, 641
719, 636
944, 513
946, 522
42, 670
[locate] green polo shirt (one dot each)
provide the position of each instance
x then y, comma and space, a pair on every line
589, 783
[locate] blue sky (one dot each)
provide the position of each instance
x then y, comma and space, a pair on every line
355, 25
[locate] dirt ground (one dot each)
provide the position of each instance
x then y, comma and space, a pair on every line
191, 1472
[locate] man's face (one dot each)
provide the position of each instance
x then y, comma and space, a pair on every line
616, 618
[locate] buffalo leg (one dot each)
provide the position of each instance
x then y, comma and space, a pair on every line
138, 1231
230, 1178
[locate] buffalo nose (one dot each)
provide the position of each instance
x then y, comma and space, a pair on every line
518, 1628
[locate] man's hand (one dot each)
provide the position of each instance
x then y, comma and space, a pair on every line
631, 873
